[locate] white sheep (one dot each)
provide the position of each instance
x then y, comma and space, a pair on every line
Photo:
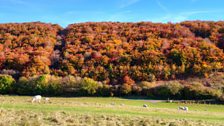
36, 98
145, 106
184, 108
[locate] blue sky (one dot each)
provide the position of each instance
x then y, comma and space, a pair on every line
65, 12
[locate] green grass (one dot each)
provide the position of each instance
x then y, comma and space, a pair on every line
99, 109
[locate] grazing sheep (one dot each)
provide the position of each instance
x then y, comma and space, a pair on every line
184, 108
122, 104
180, 108
36, 98
145, 106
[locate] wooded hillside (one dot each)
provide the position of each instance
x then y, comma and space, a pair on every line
182, 61
26, 49
112, 52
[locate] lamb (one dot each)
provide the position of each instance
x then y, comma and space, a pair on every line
36, 98
145, 106
184, 108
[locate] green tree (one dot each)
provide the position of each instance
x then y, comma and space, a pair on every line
89, 86
6, 84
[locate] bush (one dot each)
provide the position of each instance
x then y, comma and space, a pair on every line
146, 87
44, 84
126, 89
6, 84
171, 89
23, 87
136, 90
70, 85
198, 91
54, 86
88, 86
146, 84
40, 84
221, 98
31, 86
104, 90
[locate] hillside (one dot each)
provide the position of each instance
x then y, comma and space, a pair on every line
113, 53
25, 49
142, 51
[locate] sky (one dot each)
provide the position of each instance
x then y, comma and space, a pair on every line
66, 12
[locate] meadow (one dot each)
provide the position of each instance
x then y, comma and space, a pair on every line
105, 111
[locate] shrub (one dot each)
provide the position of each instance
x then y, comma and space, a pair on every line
40, 84
136, 90
189, 91
146, 84
198, 91
221, 98
169, 89
89, 86
6, 84
23, 87
104, 90
32, 86
126, 89
53, 86
70, 85
146, 87
44, 84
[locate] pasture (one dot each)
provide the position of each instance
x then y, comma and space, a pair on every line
112, 111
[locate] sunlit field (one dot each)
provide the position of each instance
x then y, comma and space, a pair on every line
18, 110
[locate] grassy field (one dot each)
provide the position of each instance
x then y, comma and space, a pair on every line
87, 111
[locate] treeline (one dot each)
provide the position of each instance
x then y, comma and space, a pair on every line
50, 85
115, 54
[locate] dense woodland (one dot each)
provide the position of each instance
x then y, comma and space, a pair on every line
112, 53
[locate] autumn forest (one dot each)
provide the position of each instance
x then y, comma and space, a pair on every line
120, 56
